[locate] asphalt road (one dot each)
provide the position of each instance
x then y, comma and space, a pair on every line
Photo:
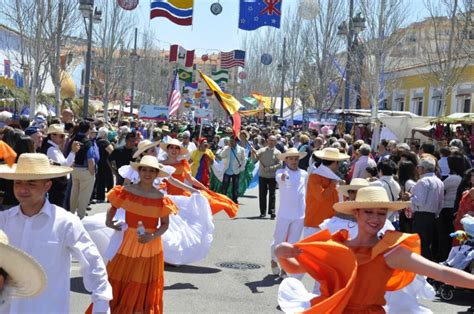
208, 287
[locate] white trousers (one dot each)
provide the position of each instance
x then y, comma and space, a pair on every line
288, 230
307, 231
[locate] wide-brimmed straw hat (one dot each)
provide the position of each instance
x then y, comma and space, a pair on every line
33, 166
165, 128
152, 162
143, 146
369, 197
174, 142
291, 153
25, 274
247, 134
356, 184
56, 129
331, 153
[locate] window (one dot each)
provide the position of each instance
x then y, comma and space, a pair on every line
464, 104
417, 106
399, 104
435, 106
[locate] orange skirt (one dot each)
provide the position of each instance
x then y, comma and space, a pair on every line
136, 276
220, 202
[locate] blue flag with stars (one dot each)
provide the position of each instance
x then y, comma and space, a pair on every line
257, 13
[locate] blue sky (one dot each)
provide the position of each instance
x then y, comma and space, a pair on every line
211, 33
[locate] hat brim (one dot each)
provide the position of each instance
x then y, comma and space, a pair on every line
299, 155
145, 148
53, 132
27, 276
10, 173
182, 151
162, 171
320, 154
344, 189
348, 207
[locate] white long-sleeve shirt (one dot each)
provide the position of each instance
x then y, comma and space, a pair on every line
292, 193
55, 154
52, 237
361, 165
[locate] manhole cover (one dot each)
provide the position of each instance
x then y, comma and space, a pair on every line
239, 265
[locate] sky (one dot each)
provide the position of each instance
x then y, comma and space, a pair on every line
211, 33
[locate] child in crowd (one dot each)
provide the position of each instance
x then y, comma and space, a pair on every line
290, 216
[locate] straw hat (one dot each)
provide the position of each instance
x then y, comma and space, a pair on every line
33, 166
143, 146
356, 184
56, 129
152, 162
331, 153
25, 274
165, 128
369, 197
174, 142
290, 153
247, 134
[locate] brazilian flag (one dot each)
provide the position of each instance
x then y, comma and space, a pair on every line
185, 75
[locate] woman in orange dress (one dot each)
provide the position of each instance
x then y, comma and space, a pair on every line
136, 271
355, 273
183, 173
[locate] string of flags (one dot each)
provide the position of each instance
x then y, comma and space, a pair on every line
253, 14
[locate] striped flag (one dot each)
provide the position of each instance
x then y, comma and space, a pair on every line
220, 76
177, 11
181, 55
232, 59
175, 97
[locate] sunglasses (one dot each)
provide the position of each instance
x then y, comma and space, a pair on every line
60, 135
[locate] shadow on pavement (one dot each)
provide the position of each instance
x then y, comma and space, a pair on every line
77, 285
191, 269
251, 218
249, 196
267, 281
181, 286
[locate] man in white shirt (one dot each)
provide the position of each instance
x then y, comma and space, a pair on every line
363, 162
52, 236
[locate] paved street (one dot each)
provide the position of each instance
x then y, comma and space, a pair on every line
207, 287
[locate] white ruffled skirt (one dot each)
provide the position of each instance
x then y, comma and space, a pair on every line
187, 240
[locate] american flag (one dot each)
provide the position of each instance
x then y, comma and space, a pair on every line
232, 59
175, 97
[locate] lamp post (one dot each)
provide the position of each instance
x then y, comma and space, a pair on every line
350, 31
283, 67
134, 57
94, 15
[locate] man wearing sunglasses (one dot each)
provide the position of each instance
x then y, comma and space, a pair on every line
52, 147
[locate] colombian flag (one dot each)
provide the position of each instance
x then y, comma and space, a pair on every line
227, 101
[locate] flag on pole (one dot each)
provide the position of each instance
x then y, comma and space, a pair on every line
232, 59
177, 11
175, 97
254, 14
181, 55
227, 101
220, 76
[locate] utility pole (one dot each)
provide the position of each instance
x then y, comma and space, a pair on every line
350, 34
87, 79
283, 73
380, 63
134, 57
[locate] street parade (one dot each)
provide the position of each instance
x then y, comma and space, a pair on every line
237, 156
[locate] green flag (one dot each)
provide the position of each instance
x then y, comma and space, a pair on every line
185, 76
220, 76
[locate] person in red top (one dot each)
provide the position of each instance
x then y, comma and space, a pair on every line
321, 190
355, 273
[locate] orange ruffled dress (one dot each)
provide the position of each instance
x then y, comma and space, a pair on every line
217, 201
353, 280
136, 271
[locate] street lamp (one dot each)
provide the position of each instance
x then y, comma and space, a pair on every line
350, 31
283, 67
94, 15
